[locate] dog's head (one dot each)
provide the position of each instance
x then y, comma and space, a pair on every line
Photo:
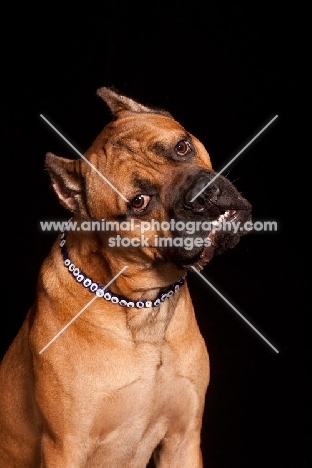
160, 176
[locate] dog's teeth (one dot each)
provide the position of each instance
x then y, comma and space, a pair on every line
229, 213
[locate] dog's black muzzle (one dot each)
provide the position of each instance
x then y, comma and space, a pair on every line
206, 198
219, 195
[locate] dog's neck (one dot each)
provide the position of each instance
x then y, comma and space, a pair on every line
141, 297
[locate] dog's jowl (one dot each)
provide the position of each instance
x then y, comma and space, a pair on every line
126, 379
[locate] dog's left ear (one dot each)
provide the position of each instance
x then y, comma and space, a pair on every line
118, 103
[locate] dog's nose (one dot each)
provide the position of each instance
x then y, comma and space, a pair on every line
198, 204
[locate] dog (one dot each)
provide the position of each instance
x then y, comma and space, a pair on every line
113, 373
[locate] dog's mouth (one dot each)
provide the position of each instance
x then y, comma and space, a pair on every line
218, 211
208, 252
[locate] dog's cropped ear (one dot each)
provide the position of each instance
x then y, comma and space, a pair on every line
118, 103
66, 180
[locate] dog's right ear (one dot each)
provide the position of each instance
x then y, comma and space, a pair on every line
66, 180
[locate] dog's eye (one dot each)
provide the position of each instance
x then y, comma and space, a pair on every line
182, 148
140, 202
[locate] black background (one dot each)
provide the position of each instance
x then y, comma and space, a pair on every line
223, 71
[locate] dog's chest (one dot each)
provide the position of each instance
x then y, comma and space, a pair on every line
153, 387
147, 386
156, 401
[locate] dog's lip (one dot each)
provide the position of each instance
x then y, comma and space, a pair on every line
229, 215
207, 252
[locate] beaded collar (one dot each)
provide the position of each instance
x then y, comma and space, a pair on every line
101, 291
